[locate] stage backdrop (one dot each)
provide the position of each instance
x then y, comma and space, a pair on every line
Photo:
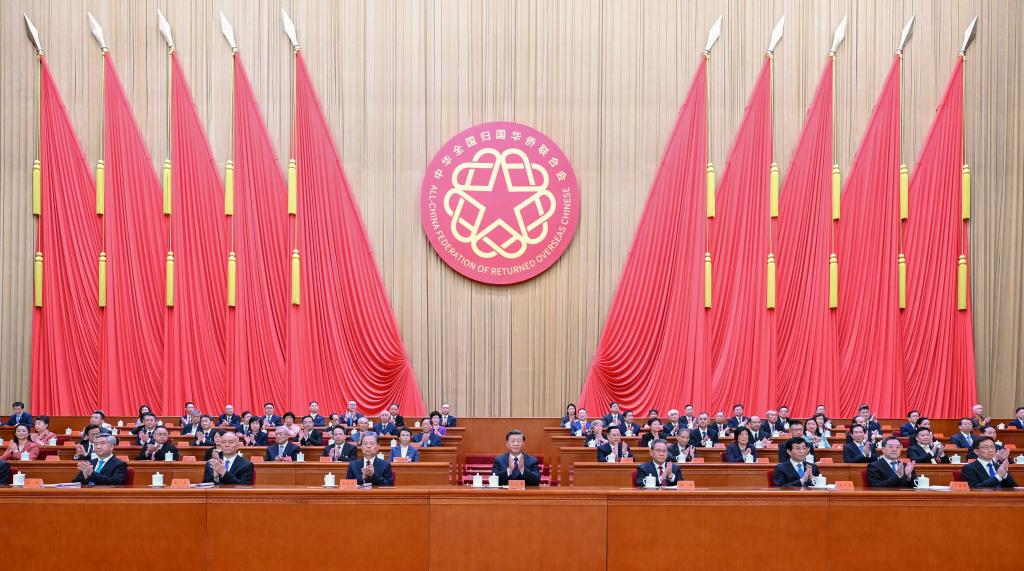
605, 80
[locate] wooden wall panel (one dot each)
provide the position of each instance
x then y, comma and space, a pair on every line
603, 78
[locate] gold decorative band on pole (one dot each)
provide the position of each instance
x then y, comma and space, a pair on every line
100, 184
229, 188
38, 274
774, 190
167, 187
833, 281
902, 271
103, 280
771, 281
710, 178
707, 280
965, 192
295, 277
904, 192
170, 279
961, 283
37, 188
837, 186
293, 190
232, 277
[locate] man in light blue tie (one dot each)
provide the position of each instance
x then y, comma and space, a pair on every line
105, 469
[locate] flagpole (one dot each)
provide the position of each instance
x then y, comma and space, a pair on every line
37, 172
165, 31
773, 181
97, 33
293, 172
229, 171
713, 35
965, 176
904, 179
837, 183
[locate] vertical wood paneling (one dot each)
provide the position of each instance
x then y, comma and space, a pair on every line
604, 78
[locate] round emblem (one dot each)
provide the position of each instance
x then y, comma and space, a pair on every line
500, 203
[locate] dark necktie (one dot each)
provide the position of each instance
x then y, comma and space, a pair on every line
515, 465
991, 470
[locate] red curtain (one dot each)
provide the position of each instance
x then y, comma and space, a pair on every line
808, 342
65, 330
652, 352
743, 330
259, 236
870, 333
194, 360
343, 340
135, 235
938, 340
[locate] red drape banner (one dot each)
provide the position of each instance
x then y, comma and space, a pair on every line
938, 340
135, 235
343, 340
194, 360
808, 341
65, 330
870, 332
743, 329
652, 352
257, 326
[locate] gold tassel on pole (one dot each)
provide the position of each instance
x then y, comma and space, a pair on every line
707, 280
837, 185
902, 270
833, 281
37, 188
167, 187
170, 279
904, 192
774, 204
100, 183
965, 190
295, 277
771, 281
229, 188
232, 276
710, 176
293, 190
961, 283
103, 279
39, 279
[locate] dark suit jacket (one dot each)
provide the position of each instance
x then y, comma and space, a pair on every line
273, 421
922, 456
432, 440
529, 470
907, 429
159, 455
778, 426
290, 450
349, 419
5, 473
450, 422
695, 437
207, 439
733, 423
977, 477
853, 454
234, 420
763, 432
609, 421
720, 431
605, 449
349, 452
24, 418
316, 438
1017, 423
399, 420
786, 476
633, 427
115, 472
734, 454
318, 420
668, 430
382, 475
961, 442
262, 438
880, 475
138, 437
240, 474
209, 453
186, 429
674, 451
649, 469
391, 429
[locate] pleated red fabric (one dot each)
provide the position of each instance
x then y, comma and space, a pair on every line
343, 340
257, 326
870, 332
653, 352
743, 331
195, 348
131, 364
938, 340
808, 339
66, 329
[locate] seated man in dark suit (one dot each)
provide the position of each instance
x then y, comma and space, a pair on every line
991, 469
1018, 422
426, 437
159, 447
760, 429
309, 436
629, 428
990, 431
703, 435
860, 450
204, 436
106, 469
404, 451
978, 418
516, 464
229, 418
888, 471
144, 433
282, 450
5, 473
796, 430
19, 415
664, 472
925, 450
386, 426
909, 428
794, 472
314, 413
615, 449
193, 425
270, 420
965, 438
869, 417
352, 415
340, 450
370, 469
737, 419
231, 468
720, 427
447, 418
614, 415
399, 419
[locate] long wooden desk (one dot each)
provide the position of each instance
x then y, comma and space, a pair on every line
547, 528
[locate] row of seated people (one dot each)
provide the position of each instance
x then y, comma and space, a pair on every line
989, 470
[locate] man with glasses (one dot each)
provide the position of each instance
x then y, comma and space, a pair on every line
991, 469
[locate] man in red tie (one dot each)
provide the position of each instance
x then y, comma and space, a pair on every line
516, 464
665, 473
